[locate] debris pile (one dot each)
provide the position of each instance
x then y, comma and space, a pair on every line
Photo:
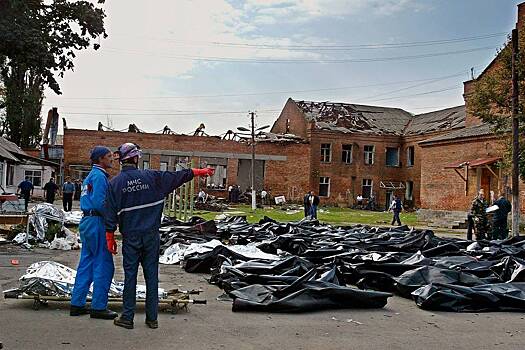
48, 230
309, 266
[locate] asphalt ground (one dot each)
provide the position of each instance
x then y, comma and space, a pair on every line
400, 325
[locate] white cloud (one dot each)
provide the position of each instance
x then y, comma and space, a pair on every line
145, 38
274, 11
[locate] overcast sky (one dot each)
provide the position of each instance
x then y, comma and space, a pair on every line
181, 62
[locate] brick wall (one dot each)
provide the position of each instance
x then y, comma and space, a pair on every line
283, 177
291, 120
443, 189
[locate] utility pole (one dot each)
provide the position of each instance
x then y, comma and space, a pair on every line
515, 139
252, 117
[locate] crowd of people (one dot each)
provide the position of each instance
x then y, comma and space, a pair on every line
70, 191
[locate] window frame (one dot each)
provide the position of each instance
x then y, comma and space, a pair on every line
398, 151
144, 162
166, 166
372, 153
324, 183
411, 197
411, 160
10, 175
348, 154
371, 185
323, 156
32, 176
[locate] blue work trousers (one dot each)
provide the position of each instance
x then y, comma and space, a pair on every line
313, 212
396, 218
95, 266
141, 248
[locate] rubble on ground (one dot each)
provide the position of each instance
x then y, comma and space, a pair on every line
47, 228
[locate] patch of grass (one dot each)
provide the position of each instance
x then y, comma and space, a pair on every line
330, 215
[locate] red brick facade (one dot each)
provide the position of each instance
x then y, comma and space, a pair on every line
444, 189
287, 177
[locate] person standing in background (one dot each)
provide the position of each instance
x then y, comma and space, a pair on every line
306, 203
50, 189
26, 189
500, 228
68, 190
78, 189
314, 203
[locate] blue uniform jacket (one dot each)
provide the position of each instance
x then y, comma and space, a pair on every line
94, 191
136, 198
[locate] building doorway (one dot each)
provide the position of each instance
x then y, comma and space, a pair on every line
244, 177
388, 198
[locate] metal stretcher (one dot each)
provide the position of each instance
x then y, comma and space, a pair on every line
175, 301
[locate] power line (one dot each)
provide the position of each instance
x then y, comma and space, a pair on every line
418, 94
305, 61
263, 92
330, 47
164, 114
214, 113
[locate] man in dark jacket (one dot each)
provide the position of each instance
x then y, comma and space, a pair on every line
50, 189
306, 203
26, 189
499, 220
135, 204
314, 203
396, 207
68, 190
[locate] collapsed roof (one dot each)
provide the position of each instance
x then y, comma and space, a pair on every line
445, 119
348, 118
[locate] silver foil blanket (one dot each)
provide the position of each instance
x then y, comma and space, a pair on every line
54, 279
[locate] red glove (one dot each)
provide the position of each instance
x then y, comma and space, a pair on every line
111, 243
203, 172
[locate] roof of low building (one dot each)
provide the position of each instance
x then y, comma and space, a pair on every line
11, 152
467, 132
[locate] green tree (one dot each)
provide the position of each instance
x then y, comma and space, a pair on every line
38, 41
491, 98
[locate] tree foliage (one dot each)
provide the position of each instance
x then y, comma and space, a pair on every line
38, 41
491, 98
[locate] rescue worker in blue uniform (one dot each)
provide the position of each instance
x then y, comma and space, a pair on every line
96, 262
135, 205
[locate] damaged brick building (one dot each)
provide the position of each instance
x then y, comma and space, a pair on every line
456, 165
232, 159
338, 150
365, 150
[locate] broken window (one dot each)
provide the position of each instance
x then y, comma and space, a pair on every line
347, 154
326, 152
392, 156
218, 179
367, 188
163, 166
369, 154
411, 156
409, 191
324, 186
